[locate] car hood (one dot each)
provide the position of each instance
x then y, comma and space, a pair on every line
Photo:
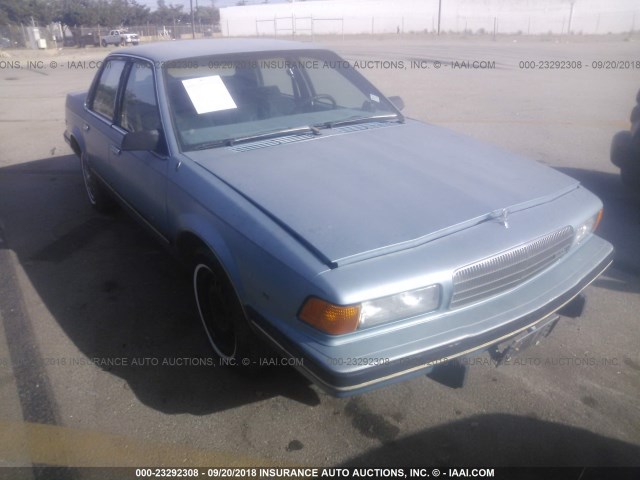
355, 193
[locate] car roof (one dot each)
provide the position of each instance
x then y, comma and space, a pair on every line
175, 50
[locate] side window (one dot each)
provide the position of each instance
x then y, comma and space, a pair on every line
139, 107
104, 100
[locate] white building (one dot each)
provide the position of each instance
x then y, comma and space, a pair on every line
474, 16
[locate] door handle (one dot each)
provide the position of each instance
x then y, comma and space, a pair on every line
115, 150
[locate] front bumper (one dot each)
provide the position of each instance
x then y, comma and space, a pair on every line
415, 350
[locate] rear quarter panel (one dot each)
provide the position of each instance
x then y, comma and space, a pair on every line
75, 116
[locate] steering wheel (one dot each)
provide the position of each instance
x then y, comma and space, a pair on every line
313, 100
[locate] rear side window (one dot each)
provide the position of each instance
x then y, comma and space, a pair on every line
104, 99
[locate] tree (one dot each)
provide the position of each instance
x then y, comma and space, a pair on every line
121, 12
137, 14
23, 11
74, 13
208, 15
166, 15
107, 13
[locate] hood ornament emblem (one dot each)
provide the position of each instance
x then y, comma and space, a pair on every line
502, 216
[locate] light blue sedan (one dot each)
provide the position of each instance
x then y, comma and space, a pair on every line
317, 219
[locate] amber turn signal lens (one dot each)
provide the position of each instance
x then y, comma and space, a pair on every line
598, 218
331, 319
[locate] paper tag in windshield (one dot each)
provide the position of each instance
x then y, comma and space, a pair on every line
374, 98
208, 94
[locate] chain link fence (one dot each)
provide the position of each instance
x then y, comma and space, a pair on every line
29, 36
292, 26
374, 17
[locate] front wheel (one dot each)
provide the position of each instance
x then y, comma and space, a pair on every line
103, 43
222, 315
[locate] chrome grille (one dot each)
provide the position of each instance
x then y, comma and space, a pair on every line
506, 270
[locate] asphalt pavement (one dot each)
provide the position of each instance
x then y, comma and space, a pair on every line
98, 332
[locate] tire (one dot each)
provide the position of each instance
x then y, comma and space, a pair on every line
103, 42
622, 149
222, 315
98, 197
630, 176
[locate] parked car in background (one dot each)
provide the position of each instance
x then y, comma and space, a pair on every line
317, 218
120, 37
625, 150
88, 39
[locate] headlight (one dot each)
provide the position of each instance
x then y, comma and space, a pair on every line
587, 227
336, 319
403, 305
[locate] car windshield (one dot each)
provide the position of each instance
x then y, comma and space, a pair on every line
221, 100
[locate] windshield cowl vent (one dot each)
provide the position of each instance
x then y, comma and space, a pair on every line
272, 142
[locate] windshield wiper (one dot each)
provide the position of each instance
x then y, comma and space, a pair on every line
218, 143
361, 119
259, 136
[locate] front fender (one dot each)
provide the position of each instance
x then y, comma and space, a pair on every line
204, 230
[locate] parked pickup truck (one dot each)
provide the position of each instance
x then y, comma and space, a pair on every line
362, 246
119, 37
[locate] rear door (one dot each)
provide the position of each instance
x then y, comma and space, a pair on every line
98, 130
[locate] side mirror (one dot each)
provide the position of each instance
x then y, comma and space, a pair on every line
143, 140
397, 102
